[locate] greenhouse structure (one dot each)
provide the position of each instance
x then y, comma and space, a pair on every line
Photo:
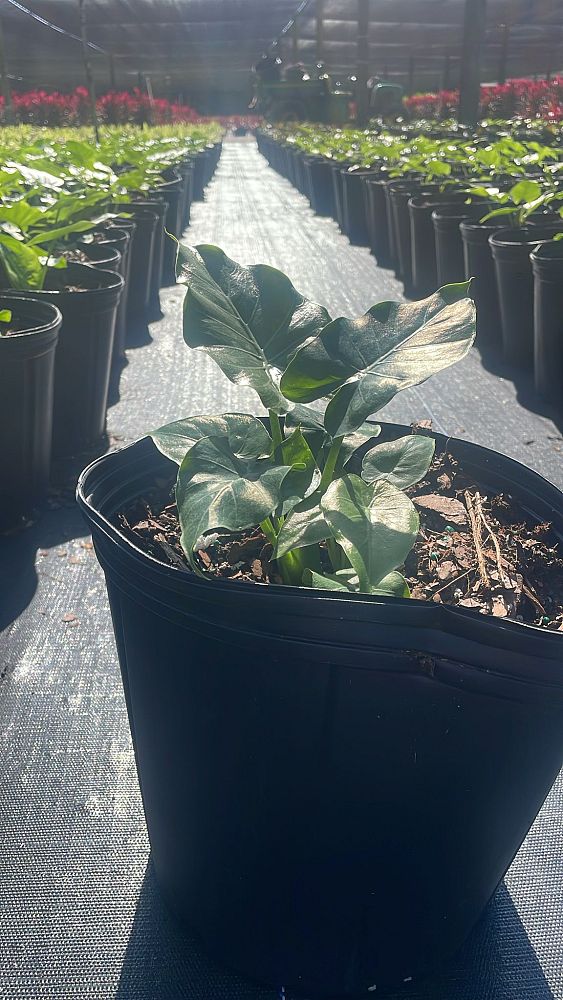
281, 499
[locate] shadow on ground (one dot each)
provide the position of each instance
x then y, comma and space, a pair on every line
59, 522
163, 963
524, 385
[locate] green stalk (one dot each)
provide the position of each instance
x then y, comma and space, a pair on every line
269, 530
330, 465
275, 429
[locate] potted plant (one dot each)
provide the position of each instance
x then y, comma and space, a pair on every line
29, 332
314, 746
88, 300
547, 267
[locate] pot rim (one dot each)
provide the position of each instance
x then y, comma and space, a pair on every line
113, 282
500, 237
9, 301
437, 616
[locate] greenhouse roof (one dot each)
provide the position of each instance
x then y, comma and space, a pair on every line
211, 44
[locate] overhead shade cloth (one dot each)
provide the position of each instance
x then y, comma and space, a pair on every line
204, 47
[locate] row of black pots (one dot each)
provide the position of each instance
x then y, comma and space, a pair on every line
430, 235
55, 370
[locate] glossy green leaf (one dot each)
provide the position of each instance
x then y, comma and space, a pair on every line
305, 525
376, 525
344, 580
21, 264
392, 585
366, 361
525, 191
21, 214
402, 462
247, 435
217, 488
306, 417
51, 236
356, 439
250, 320
304, 476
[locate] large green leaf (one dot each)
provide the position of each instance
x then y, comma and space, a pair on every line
56, 235
366, 361
305, 525
525, 191
304, 476
351, 442
376, 525
41, 178
402, 462
250, 320
392, 585
305, 417
217, 488
246, 434
21, 214
21, 264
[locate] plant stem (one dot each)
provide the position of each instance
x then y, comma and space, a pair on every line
276, 431
269, 530
330, 465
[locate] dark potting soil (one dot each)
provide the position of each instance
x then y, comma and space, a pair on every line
77, 257
473, 551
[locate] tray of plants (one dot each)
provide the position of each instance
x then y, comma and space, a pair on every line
340, 641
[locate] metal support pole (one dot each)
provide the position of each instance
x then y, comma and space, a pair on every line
363, 62
474, 27
319, 43
87, 67
503, 61
5, 88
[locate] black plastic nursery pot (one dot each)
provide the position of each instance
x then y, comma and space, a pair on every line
27, 371
511, 250
381, 235
446, 219
147, 254
333, 785
337, 187
202, 162
142, 253
172, 193
547, 268
301, 180
354, 208
423, 240
400, 193
479, 266
84, 352
186, 169
102, 256
320, 185
112, 254
159, 206
128, 227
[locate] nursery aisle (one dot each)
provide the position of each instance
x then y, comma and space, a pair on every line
80, 915
256, 216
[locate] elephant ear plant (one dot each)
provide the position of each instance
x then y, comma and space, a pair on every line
336, 514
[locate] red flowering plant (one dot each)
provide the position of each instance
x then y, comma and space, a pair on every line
37, 107
521, 98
